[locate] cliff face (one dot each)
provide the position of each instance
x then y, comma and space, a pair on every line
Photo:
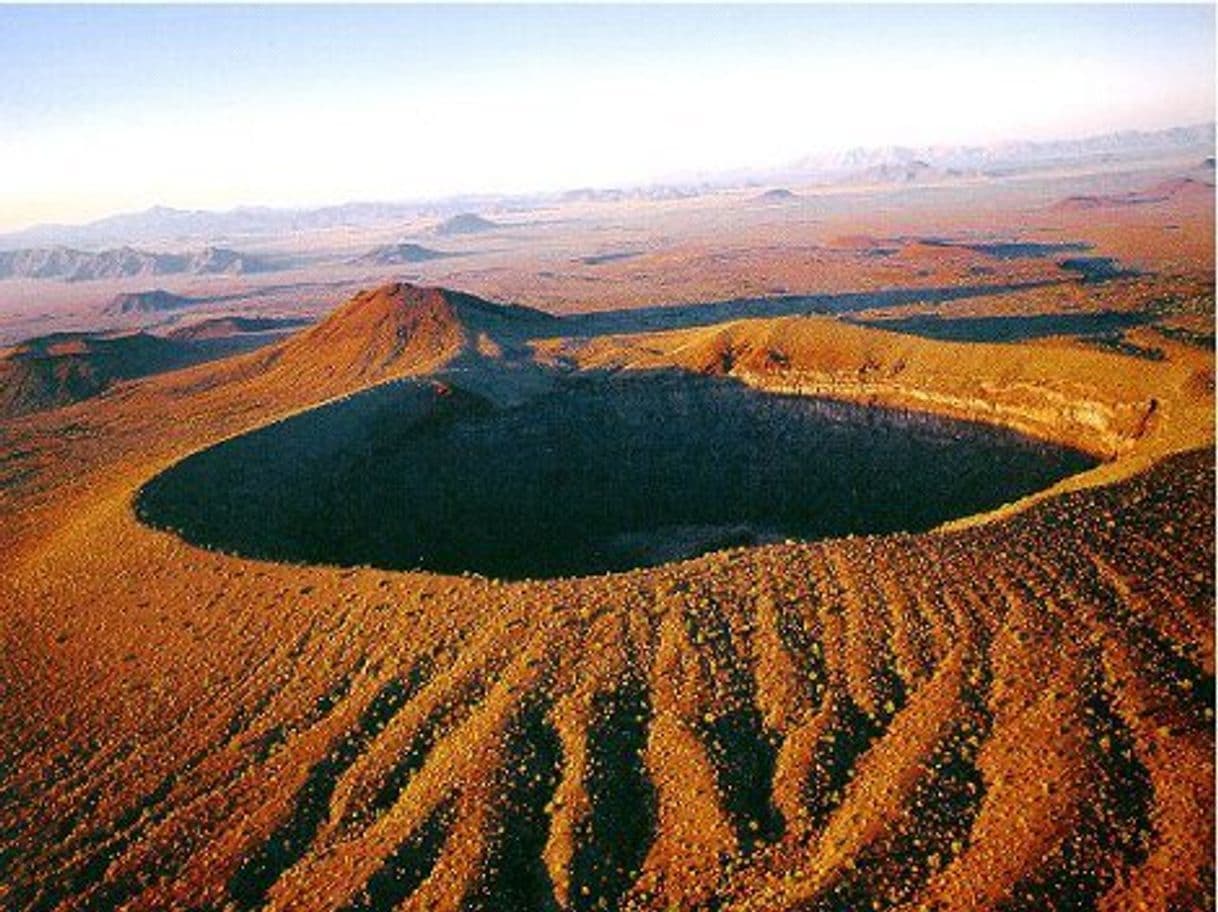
1103, 429
1090, 401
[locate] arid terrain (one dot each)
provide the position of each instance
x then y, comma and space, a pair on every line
824, 549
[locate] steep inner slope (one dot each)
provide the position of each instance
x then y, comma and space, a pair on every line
600, 474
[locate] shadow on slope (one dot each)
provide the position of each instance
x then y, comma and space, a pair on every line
686, 316
599, 475
1015, 328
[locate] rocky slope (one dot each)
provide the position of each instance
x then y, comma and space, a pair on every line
52, 371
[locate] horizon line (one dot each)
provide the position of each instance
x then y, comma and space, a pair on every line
698, 180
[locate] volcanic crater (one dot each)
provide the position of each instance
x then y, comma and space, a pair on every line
1014, 714
599, 473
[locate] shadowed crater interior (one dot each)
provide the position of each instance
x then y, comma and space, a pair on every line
601, 474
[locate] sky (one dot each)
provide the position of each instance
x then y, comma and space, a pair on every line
109, 109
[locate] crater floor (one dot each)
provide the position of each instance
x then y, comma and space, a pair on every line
598, 475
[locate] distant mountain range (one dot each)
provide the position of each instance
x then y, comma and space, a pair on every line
70, 265
902, 163
886, 164
163, 224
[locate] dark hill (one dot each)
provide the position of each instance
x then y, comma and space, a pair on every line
465, 223
399, 254
156, 300
777, 195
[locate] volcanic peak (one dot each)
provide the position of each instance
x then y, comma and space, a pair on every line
402, 329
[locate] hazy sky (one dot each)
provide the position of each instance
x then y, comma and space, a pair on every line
111, 109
